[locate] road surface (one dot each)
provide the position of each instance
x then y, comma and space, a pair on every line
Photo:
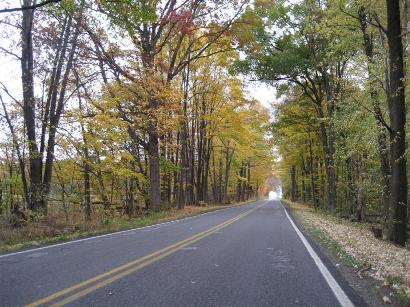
251, 255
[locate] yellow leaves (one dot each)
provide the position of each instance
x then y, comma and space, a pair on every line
149, 98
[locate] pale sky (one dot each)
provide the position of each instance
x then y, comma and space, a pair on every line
266, 94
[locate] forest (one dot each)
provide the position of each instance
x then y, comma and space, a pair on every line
340, 129
123, 108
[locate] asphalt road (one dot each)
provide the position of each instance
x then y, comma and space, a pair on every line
243, 256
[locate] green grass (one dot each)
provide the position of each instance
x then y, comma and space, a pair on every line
403, 299
395, 280
333, 246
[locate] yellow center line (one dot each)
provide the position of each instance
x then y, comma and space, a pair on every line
131, 266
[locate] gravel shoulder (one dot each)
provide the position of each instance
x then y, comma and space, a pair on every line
377, 270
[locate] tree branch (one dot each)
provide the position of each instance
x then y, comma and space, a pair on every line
30, 7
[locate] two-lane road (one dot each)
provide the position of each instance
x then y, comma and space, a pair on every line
251, 255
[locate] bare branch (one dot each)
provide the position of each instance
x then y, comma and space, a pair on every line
8, 94
375, 16
30, 7
10, 53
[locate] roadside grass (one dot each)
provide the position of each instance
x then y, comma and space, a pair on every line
55, 228
333, 246
322, 236
394, 280
399, 285
402, 299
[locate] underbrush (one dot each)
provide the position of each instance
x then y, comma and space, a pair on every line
59, 226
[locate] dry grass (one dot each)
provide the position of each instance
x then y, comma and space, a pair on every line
61, 226
388, 262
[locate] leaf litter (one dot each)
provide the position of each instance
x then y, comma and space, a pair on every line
380, 259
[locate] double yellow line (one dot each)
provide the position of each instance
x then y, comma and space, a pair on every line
106, 278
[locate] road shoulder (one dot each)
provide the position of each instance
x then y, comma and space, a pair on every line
353, 275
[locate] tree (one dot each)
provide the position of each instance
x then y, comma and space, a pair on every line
308, 58
159, 29
397, 114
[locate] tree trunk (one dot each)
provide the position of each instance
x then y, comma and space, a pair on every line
397, 113
129, 196
86, 167
359, 190
154, 166
304, 174
382, 138
328, 139
293, 183
228, 162
248, 185
330, 169
36, 190
312, 174
220, 180
87, 188
56, 114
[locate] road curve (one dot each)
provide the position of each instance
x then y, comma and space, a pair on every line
253, 255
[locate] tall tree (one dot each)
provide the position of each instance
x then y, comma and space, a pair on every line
397, 114
65, 49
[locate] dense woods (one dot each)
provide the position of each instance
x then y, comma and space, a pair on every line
126, 107
131, 106
340, 128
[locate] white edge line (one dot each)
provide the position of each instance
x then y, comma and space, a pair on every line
117, 232
334, 286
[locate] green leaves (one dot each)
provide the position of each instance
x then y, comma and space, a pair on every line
130, 14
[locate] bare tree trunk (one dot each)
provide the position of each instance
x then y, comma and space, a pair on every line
293, 183
382, 138
359, 190
312, 174
244, 182
397, 113
239, 187
228, 161
129, 196
220, 176
214, 183
303, 173
183, 177
330, 170
36, 190
248, 180
206, 175
86, 167
56, 115
154, 166
87, 189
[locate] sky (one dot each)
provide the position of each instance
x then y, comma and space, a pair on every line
262, 92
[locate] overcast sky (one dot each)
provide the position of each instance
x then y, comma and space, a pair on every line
260, 91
